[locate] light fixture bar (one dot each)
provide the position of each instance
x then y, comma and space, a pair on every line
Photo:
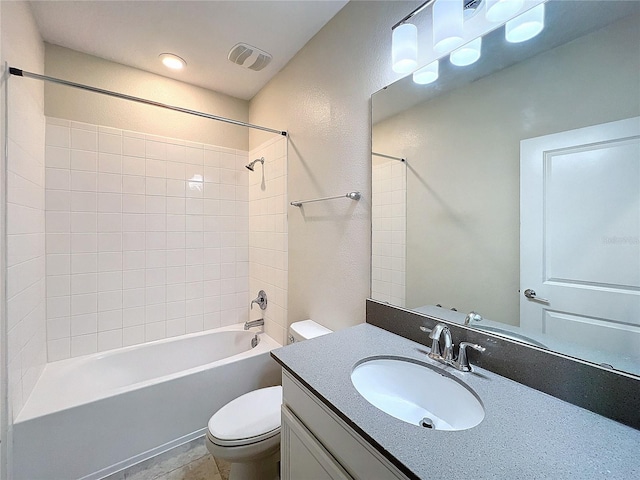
413, 13
23, 73
467, 4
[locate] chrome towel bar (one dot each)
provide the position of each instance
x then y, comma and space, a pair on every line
351, 195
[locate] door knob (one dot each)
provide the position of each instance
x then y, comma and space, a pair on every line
531, 295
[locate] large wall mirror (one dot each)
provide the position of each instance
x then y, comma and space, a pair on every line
520, 195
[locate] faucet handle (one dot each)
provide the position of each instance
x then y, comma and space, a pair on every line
462, 363
472, 316
261, 300
435, 345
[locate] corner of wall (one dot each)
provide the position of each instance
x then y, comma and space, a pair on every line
23, 248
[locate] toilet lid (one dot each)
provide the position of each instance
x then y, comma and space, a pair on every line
254, 414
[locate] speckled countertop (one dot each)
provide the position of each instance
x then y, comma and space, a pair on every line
525, 433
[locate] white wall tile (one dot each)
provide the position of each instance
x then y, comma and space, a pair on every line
134, 147
84, 283
84, 160
59, 349
110, 320
108, 143
84, 181
109, 340
84, 344
110, 183
84, 140
58, 136
84, 324
110, 163
134, 237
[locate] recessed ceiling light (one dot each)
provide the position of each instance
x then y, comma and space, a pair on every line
172, 61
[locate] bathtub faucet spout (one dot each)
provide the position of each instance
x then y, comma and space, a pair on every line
254, 323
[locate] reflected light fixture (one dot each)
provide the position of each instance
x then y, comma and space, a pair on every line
467, 54
426, 75
501, 10
526, 26
447, 25
404, 48
172, 61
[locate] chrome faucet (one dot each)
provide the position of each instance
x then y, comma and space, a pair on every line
472, 316
254, 323
461, 362
260, 300
439, 330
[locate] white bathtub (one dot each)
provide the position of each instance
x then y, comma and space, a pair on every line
94, 415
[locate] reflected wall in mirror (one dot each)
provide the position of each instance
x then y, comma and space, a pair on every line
545, 134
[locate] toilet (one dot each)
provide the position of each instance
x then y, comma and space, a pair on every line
246, 431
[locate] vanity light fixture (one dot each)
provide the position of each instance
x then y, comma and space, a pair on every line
447, 25
172, 61
501, 10
467, 54
526, 26
404, 48
426, 75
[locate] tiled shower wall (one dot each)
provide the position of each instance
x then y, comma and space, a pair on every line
268, 245
388, 223
25, 209
147, 237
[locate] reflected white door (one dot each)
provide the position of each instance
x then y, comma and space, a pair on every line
580, 235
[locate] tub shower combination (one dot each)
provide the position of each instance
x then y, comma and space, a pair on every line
94, 415
88, 417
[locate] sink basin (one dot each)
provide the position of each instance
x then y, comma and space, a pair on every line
510, 335
417, 393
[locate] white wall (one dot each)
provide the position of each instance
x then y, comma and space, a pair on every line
147, 237
322, 98
82, 106
26, 347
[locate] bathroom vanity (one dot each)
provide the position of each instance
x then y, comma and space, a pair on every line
330, 431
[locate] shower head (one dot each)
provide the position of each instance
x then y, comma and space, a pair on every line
250, 166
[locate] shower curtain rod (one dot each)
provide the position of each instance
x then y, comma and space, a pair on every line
22, 73
388, 156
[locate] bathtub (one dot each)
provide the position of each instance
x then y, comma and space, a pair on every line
91, 416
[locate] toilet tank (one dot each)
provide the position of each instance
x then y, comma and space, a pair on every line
305, 330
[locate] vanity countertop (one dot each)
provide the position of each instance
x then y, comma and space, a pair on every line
525, 433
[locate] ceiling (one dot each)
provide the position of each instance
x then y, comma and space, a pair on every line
135, 32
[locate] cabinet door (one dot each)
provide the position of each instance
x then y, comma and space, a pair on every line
303, 457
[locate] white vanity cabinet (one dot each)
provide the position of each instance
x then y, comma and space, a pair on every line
317, 445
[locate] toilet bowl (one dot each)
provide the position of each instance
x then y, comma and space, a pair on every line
246, 431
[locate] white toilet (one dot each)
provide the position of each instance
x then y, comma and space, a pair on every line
246, 431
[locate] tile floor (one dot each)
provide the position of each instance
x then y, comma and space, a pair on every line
190, 461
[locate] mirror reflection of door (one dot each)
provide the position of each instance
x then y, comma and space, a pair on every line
580, 236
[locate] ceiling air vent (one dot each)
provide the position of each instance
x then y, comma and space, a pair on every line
249, 56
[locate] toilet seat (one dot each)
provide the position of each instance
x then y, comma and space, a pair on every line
251, 418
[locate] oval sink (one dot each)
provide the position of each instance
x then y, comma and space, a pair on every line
417, 393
